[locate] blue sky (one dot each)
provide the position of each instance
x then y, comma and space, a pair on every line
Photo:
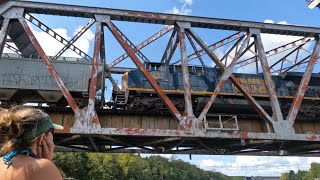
289, 11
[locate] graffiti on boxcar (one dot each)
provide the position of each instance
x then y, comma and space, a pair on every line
11, 80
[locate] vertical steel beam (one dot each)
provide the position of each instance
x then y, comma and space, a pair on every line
3, 33
277, 114
72, 103
185, 72
233, 79
94, 67
304, 82
145, 72
256, 59
103, 60
95, 60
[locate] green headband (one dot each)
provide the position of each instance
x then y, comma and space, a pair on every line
44, 126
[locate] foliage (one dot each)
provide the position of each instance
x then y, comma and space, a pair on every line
84, 166
314, 172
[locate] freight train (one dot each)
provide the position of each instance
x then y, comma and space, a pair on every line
27, 80
137, 94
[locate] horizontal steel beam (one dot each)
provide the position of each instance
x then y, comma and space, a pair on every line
158, 18
148, 125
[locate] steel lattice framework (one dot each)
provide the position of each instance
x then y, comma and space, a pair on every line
86, 126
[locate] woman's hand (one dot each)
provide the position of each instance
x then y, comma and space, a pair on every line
46, 150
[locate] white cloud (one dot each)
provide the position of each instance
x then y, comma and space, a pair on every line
187, 2
270, 41
51, 46
269, 21
183, 10
258, 165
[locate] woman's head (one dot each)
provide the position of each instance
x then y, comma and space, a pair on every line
20, 127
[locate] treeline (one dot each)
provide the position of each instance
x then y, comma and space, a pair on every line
313, 173
97, 166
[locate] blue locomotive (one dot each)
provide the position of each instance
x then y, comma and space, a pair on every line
137, 94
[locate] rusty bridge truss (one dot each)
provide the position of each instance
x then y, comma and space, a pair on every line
92, 128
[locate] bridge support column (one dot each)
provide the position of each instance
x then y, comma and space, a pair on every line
281, 127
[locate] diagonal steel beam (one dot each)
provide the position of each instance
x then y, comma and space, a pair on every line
132, 46
195, 49
173, 146
231, 49
13, 49
277, 114
55, 35
169, 49
302, 61
286, 56
113, 82
93, 143
173, 49
72, 103
275, 51
214, 46
304, 83
154, 142
108, 138
143, 44
233, 79
74, 39
3, 33
226, 74
148, 76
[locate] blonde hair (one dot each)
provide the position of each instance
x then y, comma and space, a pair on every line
13, 123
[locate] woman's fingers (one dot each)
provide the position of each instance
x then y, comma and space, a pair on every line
45, 149
48, 147
39, 151
50, 142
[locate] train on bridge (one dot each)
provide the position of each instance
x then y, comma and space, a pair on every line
30, 82
137, 93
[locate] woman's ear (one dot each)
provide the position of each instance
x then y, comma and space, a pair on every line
39, 143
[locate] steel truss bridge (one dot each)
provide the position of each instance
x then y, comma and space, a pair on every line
115, 130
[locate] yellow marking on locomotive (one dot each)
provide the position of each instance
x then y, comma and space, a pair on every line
210, 93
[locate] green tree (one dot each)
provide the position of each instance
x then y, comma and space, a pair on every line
83, 166
284, 176
103, 166
73, 165
301, 175
292, 175
314, 171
